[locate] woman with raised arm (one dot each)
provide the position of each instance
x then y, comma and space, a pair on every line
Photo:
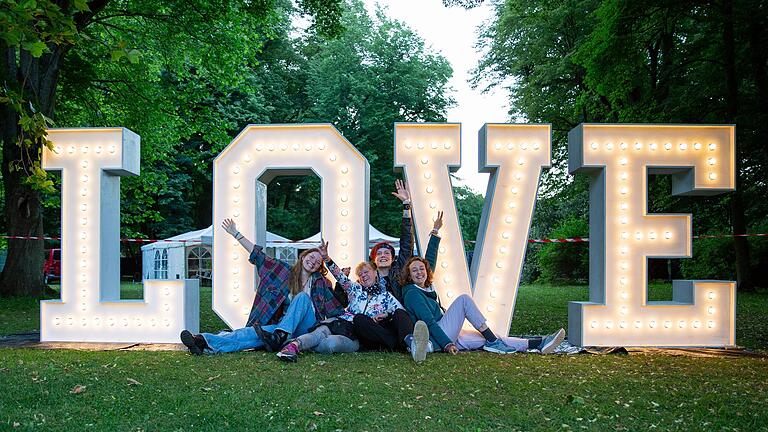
288, 302
367, 297
445, 326
383, 254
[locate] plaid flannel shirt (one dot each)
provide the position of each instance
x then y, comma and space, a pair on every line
273, 290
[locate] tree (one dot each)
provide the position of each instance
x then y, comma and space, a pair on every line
650, 61
99, 46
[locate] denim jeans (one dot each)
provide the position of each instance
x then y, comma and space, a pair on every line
298, 318
322, 341
453, 320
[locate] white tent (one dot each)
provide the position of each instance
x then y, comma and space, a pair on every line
374, 236
189, 255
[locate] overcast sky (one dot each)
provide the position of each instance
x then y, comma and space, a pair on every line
453, 33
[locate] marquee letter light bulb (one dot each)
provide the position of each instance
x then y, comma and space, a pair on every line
623, 235
514, 155
91, 162
241, 172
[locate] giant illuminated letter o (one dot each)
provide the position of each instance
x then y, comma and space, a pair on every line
91, 162
623, 235
240, 173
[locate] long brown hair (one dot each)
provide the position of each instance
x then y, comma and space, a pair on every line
405, 273
294, 283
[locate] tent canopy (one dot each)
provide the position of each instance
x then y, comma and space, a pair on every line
205, 237
374, 236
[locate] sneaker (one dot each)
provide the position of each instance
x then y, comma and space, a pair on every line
195, 343
499, 347
289, 353
420, 341
273, 341
549, 343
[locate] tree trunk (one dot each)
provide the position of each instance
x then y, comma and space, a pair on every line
36, 79
738, 219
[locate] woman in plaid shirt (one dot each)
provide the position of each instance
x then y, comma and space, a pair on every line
289, 301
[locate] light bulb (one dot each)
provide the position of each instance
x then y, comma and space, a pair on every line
712, 147
653, 146
594, 147
683, 146
697, 146
425, 160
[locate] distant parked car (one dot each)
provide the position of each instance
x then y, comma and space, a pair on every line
52, 264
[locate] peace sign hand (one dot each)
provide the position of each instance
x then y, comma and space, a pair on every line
323, 249
438, 221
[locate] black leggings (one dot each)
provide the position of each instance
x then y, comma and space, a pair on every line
387, 334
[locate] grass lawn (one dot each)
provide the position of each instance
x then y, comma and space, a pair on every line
131, 390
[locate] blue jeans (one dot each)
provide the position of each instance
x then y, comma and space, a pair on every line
322, 341
298, 318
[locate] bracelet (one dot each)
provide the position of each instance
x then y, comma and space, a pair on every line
240, 236
406, 206
434, 232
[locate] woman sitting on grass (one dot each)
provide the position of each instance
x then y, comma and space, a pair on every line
289, 301
445, 327
368, 297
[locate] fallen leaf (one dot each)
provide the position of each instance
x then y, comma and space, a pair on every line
317, 413
214, 377
77, 389
132, 381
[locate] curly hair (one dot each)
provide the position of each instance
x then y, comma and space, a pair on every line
294, 283
405, 274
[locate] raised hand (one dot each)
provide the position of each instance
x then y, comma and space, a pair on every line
438, 221
402, 192
323, 249
229, 226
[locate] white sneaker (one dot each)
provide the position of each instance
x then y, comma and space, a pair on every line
420, 342
549, 343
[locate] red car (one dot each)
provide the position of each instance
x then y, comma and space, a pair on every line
52, 264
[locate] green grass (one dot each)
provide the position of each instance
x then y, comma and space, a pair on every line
130, 390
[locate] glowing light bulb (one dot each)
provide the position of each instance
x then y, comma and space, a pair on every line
683, 146
83, 207
638, 235
711, 310
508, 219
697, 146
489, 308
502, 250
499, 264
638, 146
511, 204
432, 204
624, 190
609, 324
236, 169
247, 158
668, 146
449, 294
425, 160
505, 235
497, 146
623, 146
345, 170
521, 161
652, 235
623, 324
624, 176
667, 235
427, 175
84, 178
510, 146
711, 324
408, 145
333, 157
624, 220
713, 176
638, 324
712, 147
429, 189
345, 242
420, 145
524, 146
624, 206
295, 147
84, 149
623, 161
609, 146
447, 145
711, 295
653, 146
258, 147
593, 324
344, 198
97, 150
345, 212
236, 185
344, 227
593, 145
711, 161
433, 145
84, 164
681, 324
696, 324
652, 324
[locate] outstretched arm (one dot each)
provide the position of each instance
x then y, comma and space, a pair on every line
335, 270
231, 228
406, 227
434, 241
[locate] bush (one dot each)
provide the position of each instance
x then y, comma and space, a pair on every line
565, 263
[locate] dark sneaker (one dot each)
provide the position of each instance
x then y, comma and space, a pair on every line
195, 343
549, 343
420, 341
273, 341
289, 353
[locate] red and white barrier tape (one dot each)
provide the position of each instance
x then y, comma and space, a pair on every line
561, 240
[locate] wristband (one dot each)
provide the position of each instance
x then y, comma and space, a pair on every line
434, 232
238, 236
406, 206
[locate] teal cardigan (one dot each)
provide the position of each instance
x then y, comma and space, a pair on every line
423, 305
